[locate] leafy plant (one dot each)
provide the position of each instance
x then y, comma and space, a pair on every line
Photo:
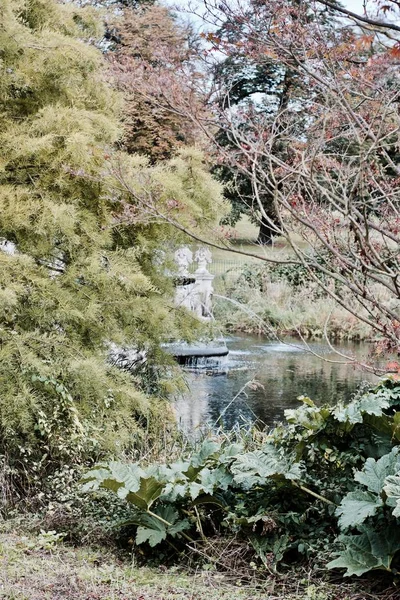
289, 493
213, 476
368, 510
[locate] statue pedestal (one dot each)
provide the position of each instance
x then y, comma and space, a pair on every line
194, 292
202, 293
184, 295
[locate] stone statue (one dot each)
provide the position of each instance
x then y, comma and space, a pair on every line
203, 258
183, 258
8, 247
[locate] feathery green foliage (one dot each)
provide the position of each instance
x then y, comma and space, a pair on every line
75, 274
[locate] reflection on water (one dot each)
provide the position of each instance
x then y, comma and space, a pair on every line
284, 372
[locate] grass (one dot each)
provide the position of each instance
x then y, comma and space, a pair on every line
244, 238
241, 305
272, 305
29, 571
42, 568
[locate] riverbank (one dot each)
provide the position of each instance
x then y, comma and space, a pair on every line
253, 300
254, 296
32, 568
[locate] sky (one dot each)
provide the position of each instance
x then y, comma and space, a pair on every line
353, 5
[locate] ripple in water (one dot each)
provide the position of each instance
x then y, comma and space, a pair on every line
284, 372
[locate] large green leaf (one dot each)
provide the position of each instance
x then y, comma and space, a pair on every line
211, 479
207, 449
173, 491
384, 542
178, 527
255, 467
116, 475
230, 452
311, 418
368, 551
357, 557
375, 472
154, 533
129, 481
356, 507
150, 489
154, 530
95, 478
208, 480
373, 404
370, 404
392, 491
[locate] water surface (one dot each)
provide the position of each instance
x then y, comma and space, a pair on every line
282, 371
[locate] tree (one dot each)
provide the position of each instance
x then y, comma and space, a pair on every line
337, 183
253, 92
154, 57
331, 163
75, 277
249, 93
240, 88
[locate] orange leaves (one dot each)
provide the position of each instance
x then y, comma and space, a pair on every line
211, 37
393, 368
363, 42
395, 51
386, 8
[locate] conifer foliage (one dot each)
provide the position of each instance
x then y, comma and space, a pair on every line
71, 280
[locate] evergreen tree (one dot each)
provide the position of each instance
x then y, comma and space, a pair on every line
74, 278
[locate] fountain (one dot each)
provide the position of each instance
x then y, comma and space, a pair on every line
194, 292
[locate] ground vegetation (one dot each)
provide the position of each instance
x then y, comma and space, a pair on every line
324, 485
41, 566
279, 300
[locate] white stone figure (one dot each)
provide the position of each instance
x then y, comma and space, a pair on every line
203, 258
7, 246
184, 296
183, 258
197, 300
207, 298
202, 294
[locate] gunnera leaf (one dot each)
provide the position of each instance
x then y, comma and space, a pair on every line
115, 476
155, 528
369, 550
370, 404
392, 491
154, 533
150, 489
356, 557
356, 507
254, 467
207, 449
374, 472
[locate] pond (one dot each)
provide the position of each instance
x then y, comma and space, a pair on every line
261, 378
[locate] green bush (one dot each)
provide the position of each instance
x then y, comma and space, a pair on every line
287, 495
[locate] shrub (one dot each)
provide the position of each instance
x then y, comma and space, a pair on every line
282, 495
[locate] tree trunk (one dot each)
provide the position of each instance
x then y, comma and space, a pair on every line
265, 232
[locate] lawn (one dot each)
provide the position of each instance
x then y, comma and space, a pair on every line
244, 238
42, 568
